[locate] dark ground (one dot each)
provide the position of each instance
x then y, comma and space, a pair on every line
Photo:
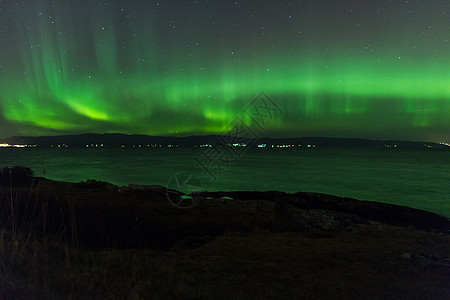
97, 241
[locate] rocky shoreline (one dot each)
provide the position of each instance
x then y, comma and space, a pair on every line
332, 211
300, 237
101, 209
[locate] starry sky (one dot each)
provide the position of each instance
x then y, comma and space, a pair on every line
339, 68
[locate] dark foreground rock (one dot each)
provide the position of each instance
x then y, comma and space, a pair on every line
340, 209
99, 215
94, 240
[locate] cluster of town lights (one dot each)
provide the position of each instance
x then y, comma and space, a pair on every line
15, 146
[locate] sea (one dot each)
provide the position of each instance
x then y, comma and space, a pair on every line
411, 177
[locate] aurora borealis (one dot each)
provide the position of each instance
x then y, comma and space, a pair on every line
373, 69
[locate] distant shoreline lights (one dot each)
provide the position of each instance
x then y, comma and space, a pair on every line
15, 146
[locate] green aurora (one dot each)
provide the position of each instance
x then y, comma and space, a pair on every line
169, 68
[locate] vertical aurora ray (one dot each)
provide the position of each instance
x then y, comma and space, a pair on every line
143, 67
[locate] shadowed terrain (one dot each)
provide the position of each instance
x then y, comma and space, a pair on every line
94, 239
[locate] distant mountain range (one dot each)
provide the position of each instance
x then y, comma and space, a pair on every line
123, 140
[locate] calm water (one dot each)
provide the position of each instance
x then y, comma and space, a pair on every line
419, 179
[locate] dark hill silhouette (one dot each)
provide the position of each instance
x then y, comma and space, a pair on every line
118, 140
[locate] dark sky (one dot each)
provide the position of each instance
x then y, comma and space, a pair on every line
373, 69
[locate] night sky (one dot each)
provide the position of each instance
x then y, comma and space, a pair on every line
373, 69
